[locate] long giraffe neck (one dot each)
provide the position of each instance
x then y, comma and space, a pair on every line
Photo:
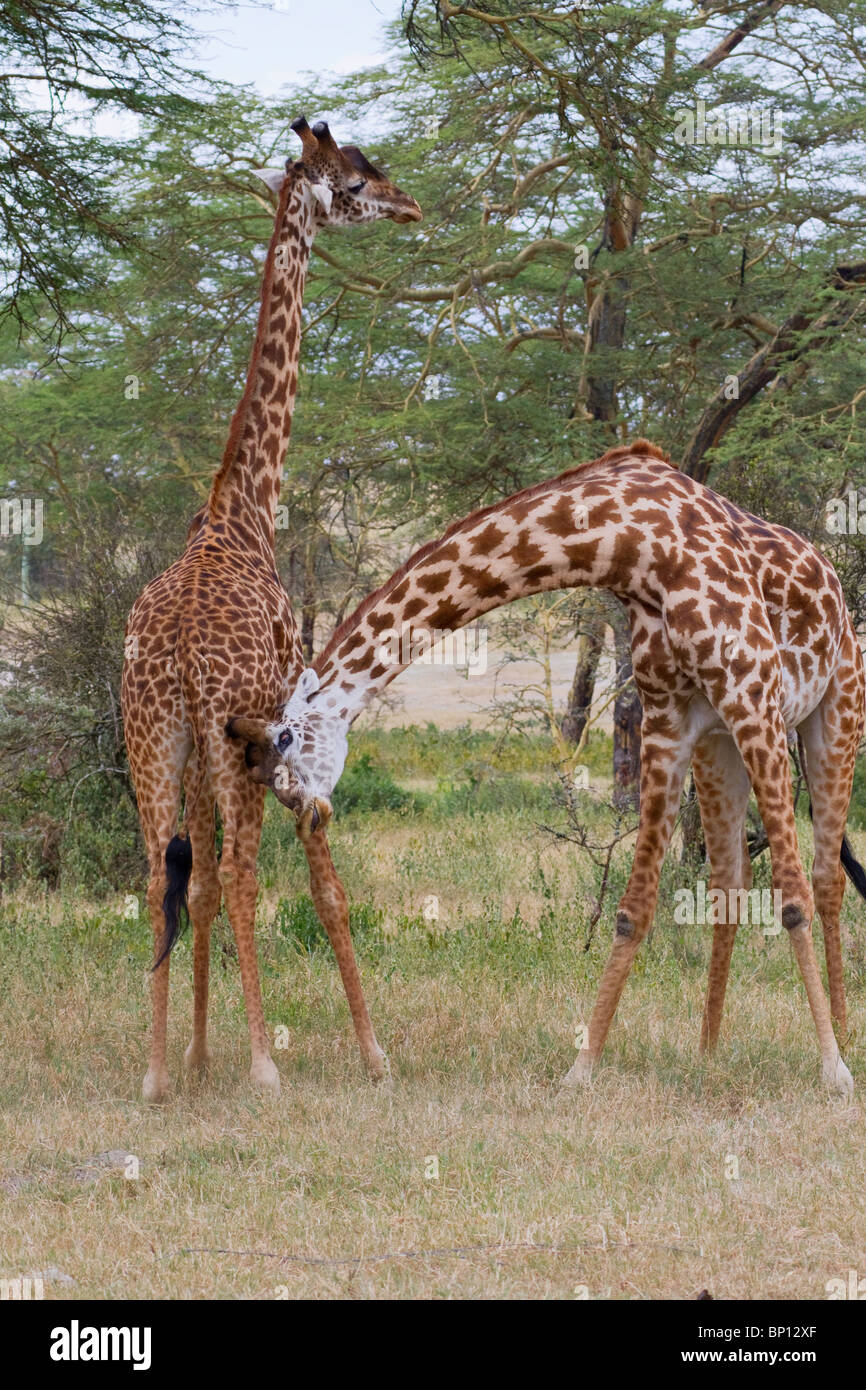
582, 528
243, 499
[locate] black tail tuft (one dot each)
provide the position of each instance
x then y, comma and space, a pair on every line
178, 867
853, 868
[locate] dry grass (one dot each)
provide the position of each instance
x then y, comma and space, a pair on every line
623, 1191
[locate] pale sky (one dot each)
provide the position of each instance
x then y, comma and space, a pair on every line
273, 46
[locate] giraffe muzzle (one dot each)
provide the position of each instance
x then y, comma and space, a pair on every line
315, 817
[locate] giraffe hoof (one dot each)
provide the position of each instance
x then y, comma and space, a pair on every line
265, 1077
579, 1075
380, 1069
197, 1058
155, 1086
837, 1078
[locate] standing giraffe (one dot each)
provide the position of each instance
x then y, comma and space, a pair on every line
739, 634
216, 631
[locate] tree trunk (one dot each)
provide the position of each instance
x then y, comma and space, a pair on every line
627, 716
694, 850
590, 644
606, 296
308, 606
606, 334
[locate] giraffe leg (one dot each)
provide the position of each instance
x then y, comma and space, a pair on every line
723, 792
242, 813
665, 752
204, 901
763, 743
830, 737
158, 808
329, 897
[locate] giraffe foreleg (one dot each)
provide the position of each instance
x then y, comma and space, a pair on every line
329, 898
665, 752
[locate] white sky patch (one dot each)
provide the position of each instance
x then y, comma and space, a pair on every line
272, 48
269, 47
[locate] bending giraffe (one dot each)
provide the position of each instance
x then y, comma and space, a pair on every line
739, 635
216, 631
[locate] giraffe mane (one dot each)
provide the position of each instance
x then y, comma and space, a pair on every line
622, 451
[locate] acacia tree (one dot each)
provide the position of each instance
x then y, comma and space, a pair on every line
446, 365
64, 65
763, 221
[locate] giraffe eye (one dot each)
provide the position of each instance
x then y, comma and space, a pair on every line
284, 740
356, 187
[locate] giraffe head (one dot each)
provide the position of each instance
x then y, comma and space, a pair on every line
300, 756
346, 188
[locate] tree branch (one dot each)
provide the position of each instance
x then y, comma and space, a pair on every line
733, 40
785, 348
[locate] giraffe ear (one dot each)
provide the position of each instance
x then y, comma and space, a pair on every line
260, 755
253, 730
308, 683
274, 178
324, 195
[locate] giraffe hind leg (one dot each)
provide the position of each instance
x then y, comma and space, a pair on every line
158, 807
763, 743
241, 805
723, 793
204, 901
829, 739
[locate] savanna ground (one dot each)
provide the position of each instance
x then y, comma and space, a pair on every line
470, 1176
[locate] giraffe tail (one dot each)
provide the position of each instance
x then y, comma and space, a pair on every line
853, 868
178, 852
178, 868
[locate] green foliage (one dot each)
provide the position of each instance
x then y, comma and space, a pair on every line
479, 790
295, 922
59, 213
429, 751
68, 815
365, 786
442, 366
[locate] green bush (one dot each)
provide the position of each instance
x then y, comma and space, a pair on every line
365, 786
418, 751
483, 791
295, 922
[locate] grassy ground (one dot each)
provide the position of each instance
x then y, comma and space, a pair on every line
471, 1176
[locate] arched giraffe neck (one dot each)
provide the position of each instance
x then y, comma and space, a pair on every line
582, 528
243, 499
